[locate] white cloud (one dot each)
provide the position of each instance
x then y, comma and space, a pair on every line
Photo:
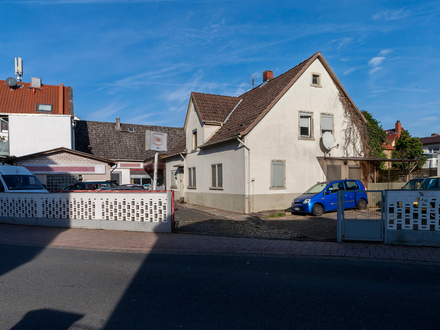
391, 15
375, 69
106, 112
348, 71
376, 61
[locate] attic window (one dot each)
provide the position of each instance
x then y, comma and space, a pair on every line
316, 80
44, 107
131, 129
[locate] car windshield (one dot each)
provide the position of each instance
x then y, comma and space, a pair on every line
431, 184
413, 184
317, 188
22, 182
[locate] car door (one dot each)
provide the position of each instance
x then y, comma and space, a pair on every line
331, 195
349, 194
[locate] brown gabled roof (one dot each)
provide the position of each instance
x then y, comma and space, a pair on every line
257, 102
213, 108
178, 149
24, 99
128, 144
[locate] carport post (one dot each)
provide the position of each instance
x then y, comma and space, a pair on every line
156, 155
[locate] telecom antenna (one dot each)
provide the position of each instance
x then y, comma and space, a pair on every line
252, 79
18, 68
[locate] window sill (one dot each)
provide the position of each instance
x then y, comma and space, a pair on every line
277, 188
315, 85
191, 187
173, 187
306, 138
215, 188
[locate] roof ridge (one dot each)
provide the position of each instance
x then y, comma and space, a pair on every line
282, 74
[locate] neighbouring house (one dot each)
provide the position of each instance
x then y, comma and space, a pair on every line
259, 150
391, 138
431, 147
61, 167
124, 144
34, 117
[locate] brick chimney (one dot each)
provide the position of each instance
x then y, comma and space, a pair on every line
118, 124
61, 99
267, 75
398, 128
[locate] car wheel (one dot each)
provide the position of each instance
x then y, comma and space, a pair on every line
317, 210
362, 204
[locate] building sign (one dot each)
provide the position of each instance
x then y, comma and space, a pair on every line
66, 169
156, 141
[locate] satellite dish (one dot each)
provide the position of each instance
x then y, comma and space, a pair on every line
328, 140
11, 82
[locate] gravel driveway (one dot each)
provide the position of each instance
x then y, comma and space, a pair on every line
274, 224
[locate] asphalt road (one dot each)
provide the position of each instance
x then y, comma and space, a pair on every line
49, 288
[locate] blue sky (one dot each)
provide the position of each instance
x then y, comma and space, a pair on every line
140, 60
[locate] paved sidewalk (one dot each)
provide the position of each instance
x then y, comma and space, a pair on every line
206, 245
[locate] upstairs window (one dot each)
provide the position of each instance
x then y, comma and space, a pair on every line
4, 124
305, 125
326, 124
194, 140
44, 107
316, 80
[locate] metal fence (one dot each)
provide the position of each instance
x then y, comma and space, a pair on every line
366, 224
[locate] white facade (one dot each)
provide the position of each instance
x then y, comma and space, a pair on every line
32, 133
248, 165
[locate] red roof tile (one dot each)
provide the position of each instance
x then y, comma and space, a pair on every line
24, 99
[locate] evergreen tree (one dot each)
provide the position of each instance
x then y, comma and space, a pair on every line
408, 147
376, 137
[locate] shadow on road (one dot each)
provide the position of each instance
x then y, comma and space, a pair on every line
47, 319
37, 236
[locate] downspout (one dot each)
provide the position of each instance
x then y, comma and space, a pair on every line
249, 175
183, 179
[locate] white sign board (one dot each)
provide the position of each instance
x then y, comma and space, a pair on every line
156, 141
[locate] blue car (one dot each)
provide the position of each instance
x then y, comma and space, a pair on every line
322, 197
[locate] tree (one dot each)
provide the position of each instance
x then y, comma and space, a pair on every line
408, 147
376, 137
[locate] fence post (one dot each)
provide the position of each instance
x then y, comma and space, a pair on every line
340, 221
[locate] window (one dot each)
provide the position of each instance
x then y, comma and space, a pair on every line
217, 176
316, 80
305, 125
326, 124
173, 180
4, 124
44, 107
192, 177
194, 140
277, 174
352, 185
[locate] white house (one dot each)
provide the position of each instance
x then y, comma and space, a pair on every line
34, 117
261, 149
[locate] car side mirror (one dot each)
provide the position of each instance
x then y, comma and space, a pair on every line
327, 192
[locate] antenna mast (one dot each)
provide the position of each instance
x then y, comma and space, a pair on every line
18, 68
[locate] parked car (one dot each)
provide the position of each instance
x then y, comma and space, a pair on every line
431, 183
414, 184
125, 187
19, 179
322, 197
89, 185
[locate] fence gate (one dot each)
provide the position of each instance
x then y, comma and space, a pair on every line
361, 225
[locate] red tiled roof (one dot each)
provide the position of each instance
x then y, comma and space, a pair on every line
24, 99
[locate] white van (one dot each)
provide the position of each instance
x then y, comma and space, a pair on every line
19, 179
